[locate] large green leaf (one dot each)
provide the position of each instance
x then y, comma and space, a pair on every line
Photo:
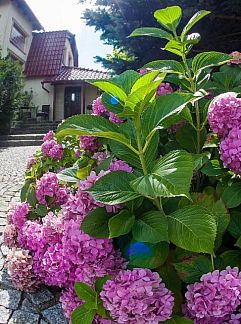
232, 258
89, 125
126, 80
96, 223
121, 223
174, 47
169, 17
164, 107
193, 228
209, 59
112, 89
151, 227
114, 188
82, 315
124, 153
144, 80
213, 168
232, 195
86, 293
68, 175
234, 227
186, 136
168, 66
151, 31
195, 18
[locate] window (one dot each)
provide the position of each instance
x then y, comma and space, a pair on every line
18, 37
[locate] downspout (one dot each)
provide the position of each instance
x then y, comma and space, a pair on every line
43, 87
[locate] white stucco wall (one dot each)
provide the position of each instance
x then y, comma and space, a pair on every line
91, 93
40, 96
10, 13
59, 103
68, 53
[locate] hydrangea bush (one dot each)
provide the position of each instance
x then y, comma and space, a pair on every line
134, 211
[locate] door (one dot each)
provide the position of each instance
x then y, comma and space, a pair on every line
72, 101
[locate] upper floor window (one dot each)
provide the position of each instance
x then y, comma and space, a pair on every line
18, 38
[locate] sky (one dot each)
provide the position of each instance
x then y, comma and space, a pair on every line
66, 14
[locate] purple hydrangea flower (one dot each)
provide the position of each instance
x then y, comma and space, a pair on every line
98, 108
10, 236
230, 149
30, 162
224, 113
119, 165
52, 149
163, 89
137, 296
49, 136
18, 214
49, 192
20, 270
236, 57
215, 297
90, 143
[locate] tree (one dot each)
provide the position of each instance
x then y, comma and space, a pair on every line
11, 85
117, 19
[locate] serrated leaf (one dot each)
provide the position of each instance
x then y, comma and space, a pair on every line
169, 17
83, 315
121, 223
174, 47
231, 258
209, 59
186, 136
168, 66
151, 31
96, 223
232, 195
195, 18
144, 80
126, 80
41, 210
213, 168
111, 88
100, 282
68, 175
31, 196
151, 227
86, 293
193, 228
24, 191
114, 188
234, 227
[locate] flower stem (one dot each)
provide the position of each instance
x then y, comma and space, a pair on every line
212, 262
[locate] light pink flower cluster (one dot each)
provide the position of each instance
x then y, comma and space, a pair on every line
119, 165
163, 89
100, 110
90, 143
49, 192
10, 236
51, 148
215, 298
18, 214
20, 270
30, 162
236, 57
137, 296
225, 120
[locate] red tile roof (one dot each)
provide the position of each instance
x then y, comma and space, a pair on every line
77, 74
22, 4
46, 53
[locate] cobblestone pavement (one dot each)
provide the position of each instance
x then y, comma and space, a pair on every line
41, 307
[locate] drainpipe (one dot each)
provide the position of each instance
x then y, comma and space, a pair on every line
43, 87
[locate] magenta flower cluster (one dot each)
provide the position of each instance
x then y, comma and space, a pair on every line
163, 89
137, 296
225, 119
31, 161
215, 298
90, 143
235, 57
17, 215
49, 192
100, 110
51, 148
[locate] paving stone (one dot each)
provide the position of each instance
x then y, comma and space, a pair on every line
28, 307
2, 261
21, 317
5, 281
5, 250
55, 315
41, 297
3, 221
4, 314
10, 298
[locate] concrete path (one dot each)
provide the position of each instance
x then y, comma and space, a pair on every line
41, 307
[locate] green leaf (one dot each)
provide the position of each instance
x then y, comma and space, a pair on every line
238, 243
232, 258
151, 227
100, 282
126, 80
200, 159
167, 66
41, 210
121, 223
209, 59
124, 153
174, 47
178, 320
213, 168
151, 31
112, 89
144, 80
68, 175
114, 188
89, 125
164, 107
191, 269
232, 195
24, 191
186, 136
96, 223
234, 227
169, 17
86, 293
147, 255
193, 228
83, 315
195, 18
31, 196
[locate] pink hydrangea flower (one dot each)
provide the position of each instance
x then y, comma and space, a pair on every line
49, 192
119, 165
20, 270
216, 297
163, 89
137, 296
10, 236
114, 118
98, 108
101, 156
18, 214
30, 162
224, 113
52, 149
49, 136
236, 57
90, 143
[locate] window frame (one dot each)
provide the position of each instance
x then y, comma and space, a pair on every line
22, 32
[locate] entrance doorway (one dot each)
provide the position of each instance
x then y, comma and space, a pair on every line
72, 101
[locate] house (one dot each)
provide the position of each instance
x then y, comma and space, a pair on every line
58, 86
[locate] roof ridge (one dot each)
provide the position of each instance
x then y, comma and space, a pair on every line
85, 69
52, 31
